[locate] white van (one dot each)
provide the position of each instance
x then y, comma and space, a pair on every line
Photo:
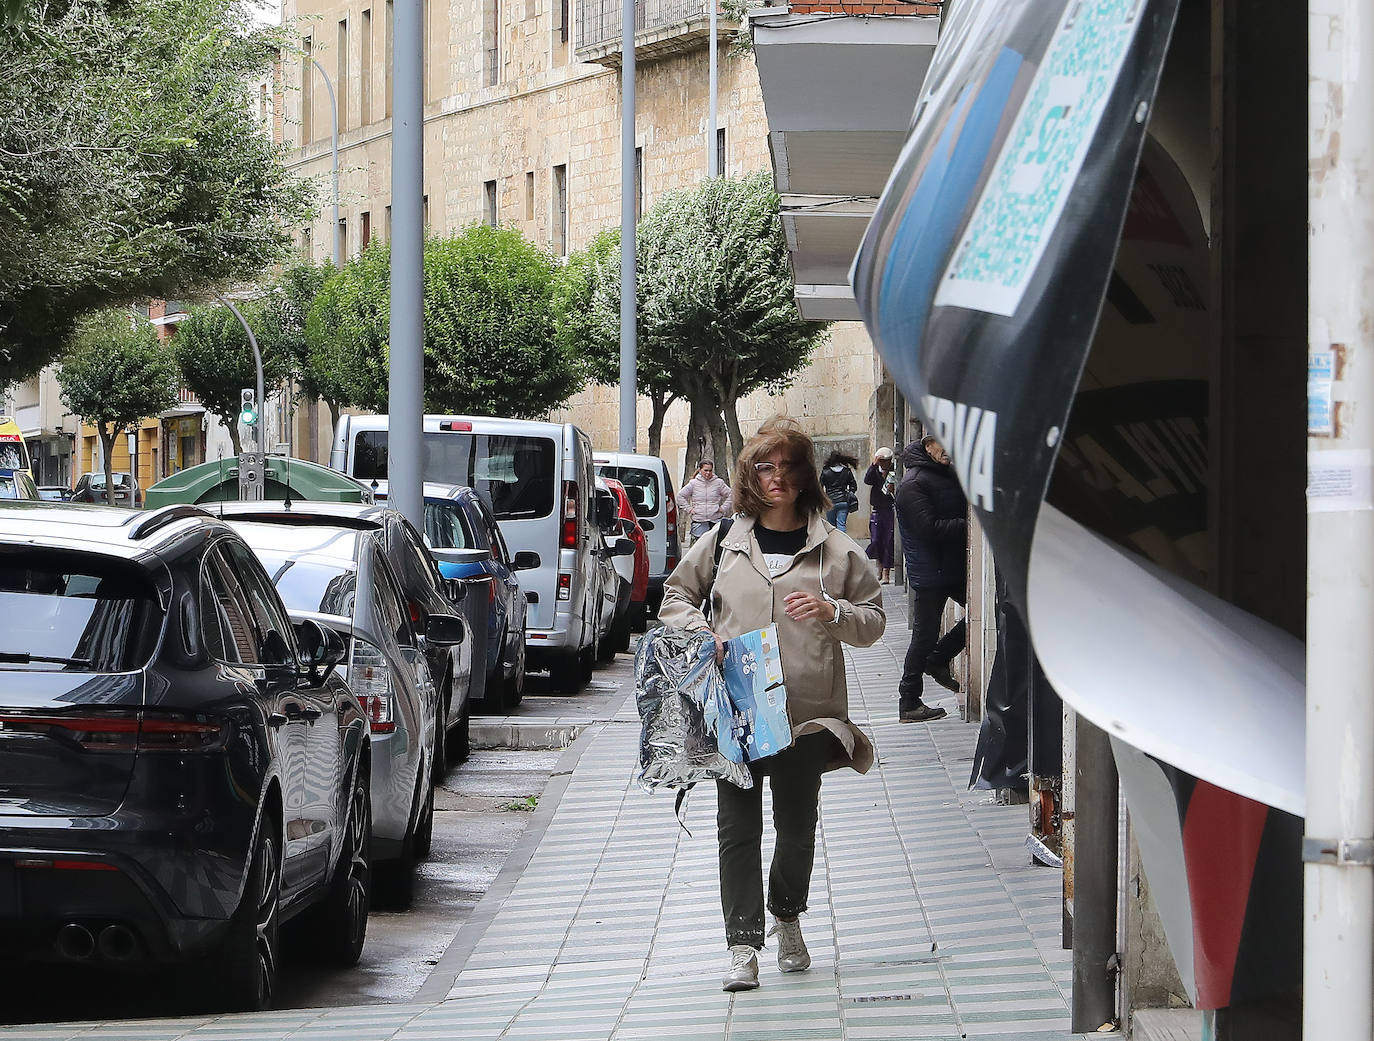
539, 482
650, 487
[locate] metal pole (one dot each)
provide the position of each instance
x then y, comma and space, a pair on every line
406, 406
1094, 884
257, 360
334, 149
1338, 892
712, 160
628, 392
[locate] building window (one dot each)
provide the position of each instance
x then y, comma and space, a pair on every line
564, 8
560, 211
341, 75
386, 224
639, 182
343, 239
366, 229
720, 152
307, 246
389, 30
365, 70
307, 93
491, 42
424, 213
489, 203
529, 195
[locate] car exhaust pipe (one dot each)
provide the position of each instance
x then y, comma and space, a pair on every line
117, 943
75, 941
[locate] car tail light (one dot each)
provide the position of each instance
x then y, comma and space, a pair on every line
569, 540
672, 516
370, 677
455, 425
564, 585
124, 730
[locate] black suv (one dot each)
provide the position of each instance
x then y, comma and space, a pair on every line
180, 770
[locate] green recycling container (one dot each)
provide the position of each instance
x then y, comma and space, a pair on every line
218, 481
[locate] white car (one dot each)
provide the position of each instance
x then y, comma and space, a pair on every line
650, 486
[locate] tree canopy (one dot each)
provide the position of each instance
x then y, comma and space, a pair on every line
716, 317
490, 344
131, 164
116, 372
216, 360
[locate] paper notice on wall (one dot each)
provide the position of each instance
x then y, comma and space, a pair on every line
1339, 480
1321, 374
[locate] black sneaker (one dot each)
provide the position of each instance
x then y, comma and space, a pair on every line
941, 675
922, 713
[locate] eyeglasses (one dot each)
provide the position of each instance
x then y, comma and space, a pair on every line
770, 469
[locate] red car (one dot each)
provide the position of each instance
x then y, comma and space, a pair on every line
638, 614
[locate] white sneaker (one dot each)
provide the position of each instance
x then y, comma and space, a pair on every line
743, 973
792, 953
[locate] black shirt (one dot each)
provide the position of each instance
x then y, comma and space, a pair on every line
779, 547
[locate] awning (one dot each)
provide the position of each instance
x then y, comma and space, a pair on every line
839, 92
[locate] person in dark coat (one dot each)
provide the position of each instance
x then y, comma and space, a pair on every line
934, 518
881, 479
837, 480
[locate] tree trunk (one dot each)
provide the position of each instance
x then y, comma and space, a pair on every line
720, 444
107, 440
732, 428
697, 442
660, 401
333, 426
233, 426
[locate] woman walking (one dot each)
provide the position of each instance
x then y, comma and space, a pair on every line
780, 562
837, 478
881, 479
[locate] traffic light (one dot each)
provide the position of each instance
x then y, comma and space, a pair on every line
248, 407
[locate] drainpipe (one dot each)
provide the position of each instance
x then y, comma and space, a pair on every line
1338, 846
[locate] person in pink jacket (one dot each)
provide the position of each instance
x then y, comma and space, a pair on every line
706, 499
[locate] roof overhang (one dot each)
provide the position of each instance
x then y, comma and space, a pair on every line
839, 92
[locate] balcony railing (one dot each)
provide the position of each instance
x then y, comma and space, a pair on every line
660, 26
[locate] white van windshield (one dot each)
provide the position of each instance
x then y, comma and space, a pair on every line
514, 475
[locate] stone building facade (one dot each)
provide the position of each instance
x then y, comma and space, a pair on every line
520, 129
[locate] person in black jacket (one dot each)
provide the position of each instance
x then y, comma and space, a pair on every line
837, 480
934, 519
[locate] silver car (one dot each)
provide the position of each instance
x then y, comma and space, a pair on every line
339, 576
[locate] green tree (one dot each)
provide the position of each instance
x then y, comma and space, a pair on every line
131, 165
716, 317
490, 344
115, 373
216, 360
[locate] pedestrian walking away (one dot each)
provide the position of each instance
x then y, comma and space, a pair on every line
837, 478
781, 563
705, 499
934, 517
881, 479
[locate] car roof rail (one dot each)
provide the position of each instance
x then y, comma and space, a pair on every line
164, 516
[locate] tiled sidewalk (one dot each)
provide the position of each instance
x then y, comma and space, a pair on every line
927, 920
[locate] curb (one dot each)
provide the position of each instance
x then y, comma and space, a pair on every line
527, 736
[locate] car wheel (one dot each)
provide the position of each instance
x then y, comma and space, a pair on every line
566, 673
462, 737
394, 880
441, 756
515, 685
424, 827
250, 959
341, 919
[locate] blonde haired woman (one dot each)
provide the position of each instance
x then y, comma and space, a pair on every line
780, 562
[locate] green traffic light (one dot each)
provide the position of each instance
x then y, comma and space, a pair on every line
248, 416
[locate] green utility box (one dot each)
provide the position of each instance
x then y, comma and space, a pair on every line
218, 481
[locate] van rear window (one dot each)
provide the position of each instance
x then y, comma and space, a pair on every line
515, 475
633, 477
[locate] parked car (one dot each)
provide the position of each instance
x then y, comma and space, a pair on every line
538, 481
466, 539
650, 487
339, 576
617, 577
54, 493
90, 487
427, 594
181, 771
634, 568
17, 484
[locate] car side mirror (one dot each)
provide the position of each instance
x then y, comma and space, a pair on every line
623, 548
444, 629
525, 560
321, 648
646, 525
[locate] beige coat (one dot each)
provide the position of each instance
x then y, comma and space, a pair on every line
746, 598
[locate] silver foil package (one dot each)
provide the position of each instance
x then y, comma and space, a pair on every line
683, 704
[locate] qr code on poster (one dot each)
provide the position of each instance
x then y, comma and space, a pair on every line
1025, 195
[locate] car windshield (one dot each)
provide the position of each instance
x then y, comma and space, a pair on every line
12, 456
50, 494
9, 487
98, 480
513, 474
312, 585
75, 612
444, 526
633, 477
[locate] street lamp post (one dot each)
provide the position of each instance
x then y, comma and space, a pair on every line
334, 150
628, 343
712, 160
